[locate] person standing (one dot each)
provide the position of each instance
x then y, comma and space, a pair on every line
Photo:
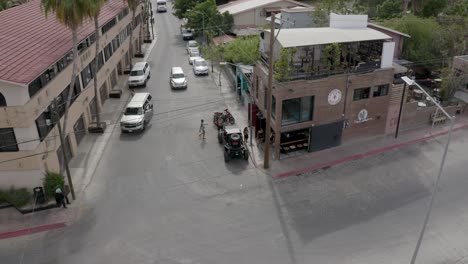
60, 198
246, 134
201, 130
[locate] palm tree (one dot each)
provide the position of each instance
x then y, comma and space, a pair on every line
71, 13
93, 12
133, 5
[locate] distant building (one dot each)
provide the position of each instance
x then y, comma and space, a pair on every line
35, 68
250, 15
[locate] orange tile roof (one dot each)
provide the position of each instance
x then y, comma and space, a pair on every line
30, 42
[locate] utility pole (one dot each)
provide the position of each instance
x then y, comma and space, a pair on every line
266, 160
56, 119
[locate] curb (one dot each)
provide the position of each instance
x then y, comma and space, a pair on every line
32, 230
363, 155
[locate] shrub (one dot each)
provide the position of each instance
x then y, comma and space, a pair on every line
16, 197
51, 181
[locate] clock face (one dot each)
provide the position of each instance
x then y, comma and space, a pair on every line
334, 97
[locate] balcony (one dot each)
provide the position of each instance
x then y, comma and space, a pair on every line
316, 62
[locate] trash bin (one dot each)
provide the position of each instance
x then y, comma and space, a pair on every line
39, 195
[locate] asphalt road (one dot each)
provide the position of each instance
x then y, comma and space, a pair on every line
164, 196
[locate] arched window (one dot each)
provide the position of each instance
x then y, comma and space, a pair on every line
2, 100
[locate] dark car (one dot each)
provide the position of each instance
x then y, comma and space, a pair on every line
234, 147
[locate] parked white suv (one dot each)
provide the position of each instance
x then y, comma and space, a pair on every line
138, 113
139, 75
161, 6
192, 45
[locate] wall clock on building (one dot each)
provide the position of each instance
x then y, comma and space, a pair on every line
334, 97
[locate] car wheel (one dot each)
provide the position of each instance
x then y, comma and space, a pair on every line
149, 76
220, 139
226, 157
246, 154
144, 126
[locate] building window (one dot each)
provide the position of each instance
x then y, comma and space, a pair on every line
2, 100
86, 75
44, 124
297, 110
115, 43
265, 98
381, 90
8, 140
108, 25
108, 51
35, 86
100, 61
361, 93
123, 14
103, 92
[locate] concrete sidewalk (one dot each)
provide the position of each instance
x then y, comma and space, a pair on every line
358, 148
82, 167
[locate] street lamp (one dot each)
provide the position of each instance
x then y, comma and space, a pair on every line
408, 81
223, 63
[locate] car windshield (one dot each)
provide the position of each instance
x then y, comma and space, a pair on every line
178, 75
193, 44
136, 73
194, 53
161, 4
200, 63
133, 111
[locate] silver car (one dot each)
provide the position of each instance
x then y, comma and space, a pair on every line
194, 54
200, 66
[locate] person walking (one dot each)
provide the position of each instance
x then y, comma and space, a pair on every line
201, 131
246, 134
60, 198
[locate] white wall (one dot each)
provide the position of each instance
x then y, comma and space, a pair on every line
297, 19
14, 94
348, 21
387, 54
25, 135
26, 178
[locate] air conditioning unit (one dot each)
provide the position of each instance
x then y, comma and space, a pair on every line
48, 122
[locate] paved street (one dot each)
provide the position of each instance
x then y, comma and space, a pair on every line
164, 196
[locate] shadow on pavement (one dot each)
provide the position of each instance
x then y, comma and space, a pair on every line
323, 202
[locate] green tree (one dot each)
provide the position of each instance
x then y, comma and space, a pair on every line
181, 6
283, 65
432, 8
459, 8
333, 56
133, 6
207, 17
93, 12
425, 42
71, 13
243, 50
389, 9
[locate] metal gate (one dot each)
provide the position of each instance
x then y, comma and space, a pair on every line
325, 136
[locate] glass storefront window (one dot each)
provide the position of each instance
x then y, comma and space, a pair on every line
297, 110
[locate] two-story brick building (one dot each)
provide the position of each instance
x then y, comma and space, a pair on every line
318, 105
35, 68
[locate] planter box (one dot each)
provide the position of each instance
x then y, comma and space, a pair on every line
116, 93
31, 208
139, 55
147, 41
97, 128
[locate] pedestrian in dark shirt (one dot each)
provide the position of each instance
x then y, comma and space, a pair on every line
246, 134
60, 198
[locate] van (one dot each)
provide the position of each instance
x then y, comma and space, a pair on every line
138, 113
177, 78
161, 6
139, 75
